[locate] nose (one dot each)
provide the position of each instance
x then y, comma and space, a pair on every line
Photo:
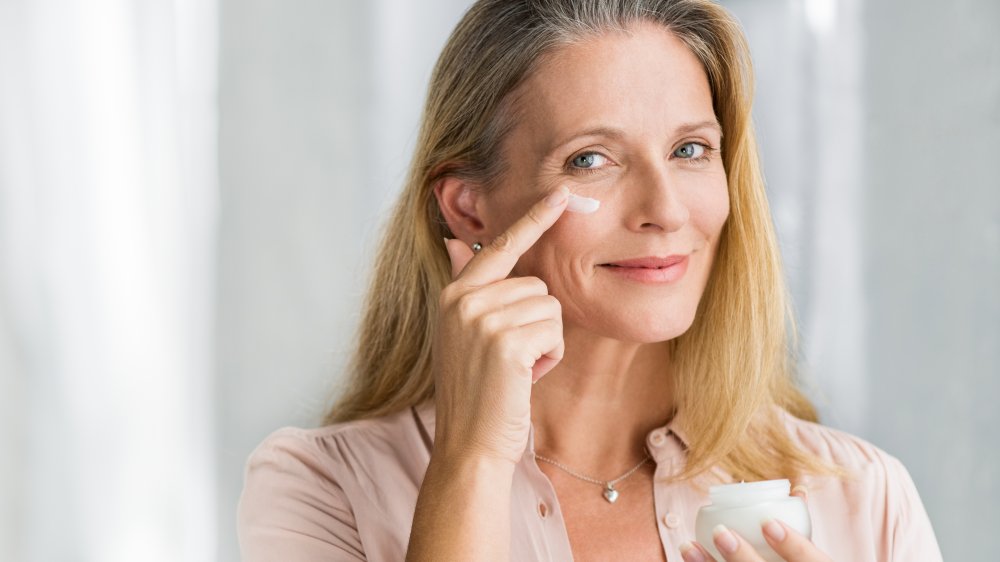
658, 201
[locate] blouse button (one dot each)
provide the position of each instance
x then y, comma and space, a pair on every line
671, 520
543, 509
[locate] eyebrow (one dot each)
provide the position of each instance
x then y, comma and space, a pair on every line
615, 133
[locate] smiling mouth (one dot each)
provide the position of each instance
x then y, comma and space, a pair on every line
636, 266
650, 270
648, 262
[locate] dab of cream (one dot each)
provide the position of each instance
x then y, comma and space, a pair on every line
579, 204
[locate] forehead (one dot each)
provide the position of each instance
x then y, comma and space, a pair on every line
646, 81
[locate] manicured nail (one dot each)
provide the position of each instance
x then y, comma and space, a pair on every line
724, 539
579, 204
690, 553
557, 197
774, 530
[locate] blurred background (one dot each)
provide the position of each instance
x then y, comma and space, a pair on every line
190, 193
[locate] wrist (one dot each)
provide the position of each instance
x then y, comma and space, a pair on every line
463, 510
471, 468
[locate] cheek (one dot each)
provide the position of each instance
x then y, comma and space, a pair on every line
710, 210
564, 255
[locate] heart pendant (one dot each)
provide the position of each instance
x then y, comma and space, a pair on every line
611, 494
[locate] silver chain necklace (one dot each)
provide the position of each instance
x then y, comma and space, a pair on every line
610, 493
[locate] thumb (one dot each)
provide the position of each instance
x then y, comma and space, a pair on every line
459, 253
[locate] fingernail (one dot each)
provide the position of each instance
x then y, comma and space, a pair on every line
691, 554
802, 490
578, 204
557, 197
724, 539
774, 530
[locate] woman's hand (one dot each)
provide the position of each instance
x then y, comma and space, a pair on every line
494, 337
790, 545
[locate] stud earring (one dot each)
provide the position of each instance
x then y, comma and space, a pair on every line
476, 247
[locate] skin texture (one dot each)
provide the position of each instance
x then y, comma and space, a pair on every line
611, 381
537, 302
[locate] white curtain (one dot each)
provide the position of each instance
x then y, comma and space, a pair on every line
107, 205
809, 107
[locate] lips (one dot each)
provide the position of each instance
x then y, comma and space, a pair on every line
649, 271
650, 262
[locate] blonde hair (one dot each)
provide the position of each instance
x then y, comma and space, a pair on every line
734, 364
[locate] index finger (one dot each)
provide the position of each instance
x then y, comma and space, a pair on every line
789, 544
498, 258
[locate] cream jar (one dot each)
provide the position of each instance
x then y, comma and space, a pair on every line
743, 508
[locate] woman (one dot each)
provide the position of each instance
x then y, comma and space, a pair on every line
653, 325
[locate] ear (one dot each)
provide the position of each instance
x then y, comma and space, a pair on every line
461, 206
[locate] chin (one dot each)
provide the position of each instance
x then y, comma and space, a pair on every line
648, 328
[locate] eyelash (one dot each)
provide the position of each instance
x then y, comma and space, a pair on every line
704, 158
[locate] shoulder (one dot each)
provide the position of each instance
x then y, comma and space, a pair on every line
876, 501
837, 447
347, 450
328, 442
869, 469
293, 504
310, 453
330, 492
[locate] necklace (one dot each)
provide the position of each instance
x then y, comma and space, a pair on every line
610, 493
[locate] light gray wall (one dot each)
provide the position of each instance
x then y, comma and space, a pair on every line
932, 259
878, 136
293, 151
318, 112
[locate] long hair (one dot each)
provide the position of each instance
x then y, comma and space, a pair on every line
734, 367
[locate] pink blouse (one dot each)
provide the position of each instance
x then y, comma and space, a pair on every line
348, 492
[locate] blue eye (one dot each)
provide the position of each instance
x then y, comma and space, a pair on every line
690, 151
587, 160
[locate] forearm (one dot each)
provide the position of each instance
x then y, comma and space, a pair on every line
463, 513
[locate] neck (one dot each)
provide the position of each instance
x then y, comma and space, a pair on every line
594, 409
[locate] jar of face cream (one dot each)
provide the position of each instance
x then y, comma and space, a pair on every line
743, 508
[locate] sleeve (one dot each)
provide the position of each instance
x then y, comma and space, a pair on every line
909, 528
291, 508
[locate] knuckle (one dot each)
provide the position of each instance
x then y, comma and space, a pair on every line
508, 346
533, 216
538, 285
503, 243
549, 331
468, 306
489, 323
447, 295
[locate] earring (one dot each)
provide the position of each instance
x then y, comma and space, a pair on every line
476, 247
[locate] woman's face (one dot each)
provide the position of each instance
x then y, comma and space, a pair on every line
627, 120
